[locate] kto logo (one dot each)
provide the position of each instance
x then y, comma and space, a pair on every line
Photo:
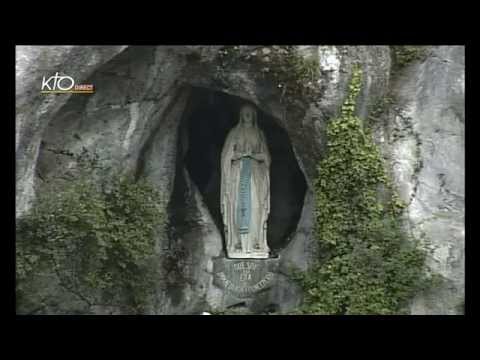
64, 84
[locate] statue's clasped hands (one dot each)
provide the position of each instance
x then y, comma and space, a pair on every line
248, 153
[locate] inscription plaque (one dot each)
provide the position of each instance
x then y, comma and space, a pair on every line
244, 278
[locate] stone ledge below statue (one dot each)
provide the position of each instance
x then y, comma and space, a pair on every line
243, 278
253, 255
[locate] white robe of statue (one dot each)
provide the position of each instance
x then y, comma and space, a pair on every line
245, 188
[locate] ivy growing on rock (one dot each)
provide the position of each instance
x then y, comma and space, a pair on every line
366, 263
97, 238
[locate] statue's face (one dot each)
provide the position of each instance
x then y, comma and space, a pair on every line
247, 116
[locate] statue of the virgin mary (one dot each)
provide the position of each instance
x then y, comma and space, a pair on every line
245, 188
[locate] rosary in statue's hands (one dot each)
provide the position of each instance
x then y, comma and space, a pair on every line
257, 156
248, 154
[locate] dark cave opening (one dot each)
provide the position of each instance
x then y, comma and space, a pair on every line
208, 117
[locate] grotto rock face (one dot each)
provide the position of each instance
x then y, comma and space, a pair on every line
34, 111
143, 117
424, 139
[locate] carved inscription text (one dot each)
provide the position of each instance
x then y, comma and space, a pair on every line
245, 278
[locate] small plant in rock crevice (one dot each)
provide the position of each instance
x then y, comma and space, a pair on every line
296, 77
406, 54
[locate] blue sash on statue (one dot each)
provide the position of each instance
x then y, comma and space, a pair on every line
244, 196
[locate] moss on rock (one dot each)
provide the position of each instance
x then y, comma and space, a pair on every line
295, 77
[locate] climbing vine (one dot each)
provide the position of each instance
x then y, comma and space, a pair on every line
95, 238
366, 264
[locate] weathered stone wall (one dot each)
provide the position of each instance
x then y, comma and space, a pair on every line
423, 138
133, 119
34, 111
